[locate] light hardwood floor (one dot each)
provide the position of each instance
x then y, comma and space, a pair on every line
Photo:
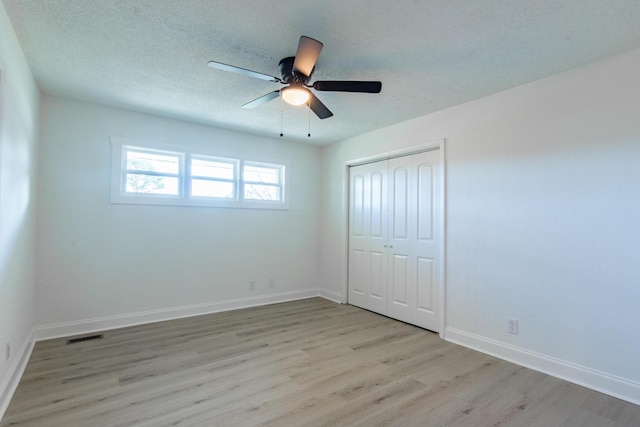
309, 362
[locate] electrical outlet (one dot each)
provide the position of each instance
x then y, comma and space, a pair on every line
8, 351
512, 326
272, 283
252, 285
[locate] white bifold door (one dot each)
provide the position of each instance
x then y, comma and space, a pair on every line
394, 238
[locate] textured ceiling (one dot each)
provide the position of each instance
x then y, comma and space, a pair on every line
151, 55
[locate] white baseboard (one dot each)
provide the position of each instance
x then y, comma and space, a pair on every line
85, 326
10, 382
600, 381
333, 296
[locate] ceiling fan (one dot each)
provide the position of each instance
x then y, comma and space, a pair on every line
296, 73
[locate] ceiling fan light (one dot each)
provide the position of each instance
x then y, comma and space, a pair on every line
295, 95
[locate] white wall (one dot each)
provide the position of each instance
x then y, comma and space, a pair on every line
19, 99
542, 222
101, 260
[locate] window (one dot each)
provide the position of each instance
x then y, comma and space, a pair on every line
262, 181
142, 174
214, 177
151, 172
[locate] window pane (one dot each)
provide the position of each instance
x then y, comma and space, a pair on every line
261, 192
265, 174
144, 161
205, 188
213, 169
150, 184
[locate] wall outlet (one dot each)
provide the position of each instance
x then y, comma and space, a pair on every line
252, 285
7, 353
272, 283
512, 326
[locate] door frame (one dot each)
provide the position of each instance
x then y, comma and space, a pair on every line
441, 224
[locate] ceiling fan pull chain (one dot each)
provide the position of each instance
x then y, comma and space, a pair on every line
281, 119
309, 111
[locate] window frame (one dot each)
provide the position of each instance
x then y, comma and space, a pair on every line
119, 195
281, 178
124, 170
235, 180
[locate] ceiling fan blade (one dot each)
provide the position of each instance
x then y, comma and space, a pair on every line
348, 86
243, 71
307, 55
318, 107
262, 100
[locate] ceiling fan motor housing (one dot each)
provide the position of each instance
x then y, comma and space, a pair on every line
291, 76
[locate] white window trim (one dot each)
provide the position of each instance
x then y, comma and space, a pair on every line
119, 196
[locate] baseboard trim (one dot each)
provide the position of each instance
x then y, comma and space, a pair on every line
85, 326
332, 296
16, 370
596, 380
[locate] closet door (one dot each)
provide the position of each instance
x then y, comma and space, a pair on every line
412, 240
368, 236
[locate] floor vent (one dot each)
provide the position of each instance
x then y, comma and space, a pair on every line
87, 338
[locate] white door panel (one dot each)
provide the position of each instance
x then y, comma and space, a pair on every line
377, 195
426, 311
425, 284
367, 237
403, 281
425, 172
399, 206
399, 279
393, 238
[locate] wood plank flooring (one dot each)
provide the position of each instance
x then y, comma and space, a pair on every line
301, 363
